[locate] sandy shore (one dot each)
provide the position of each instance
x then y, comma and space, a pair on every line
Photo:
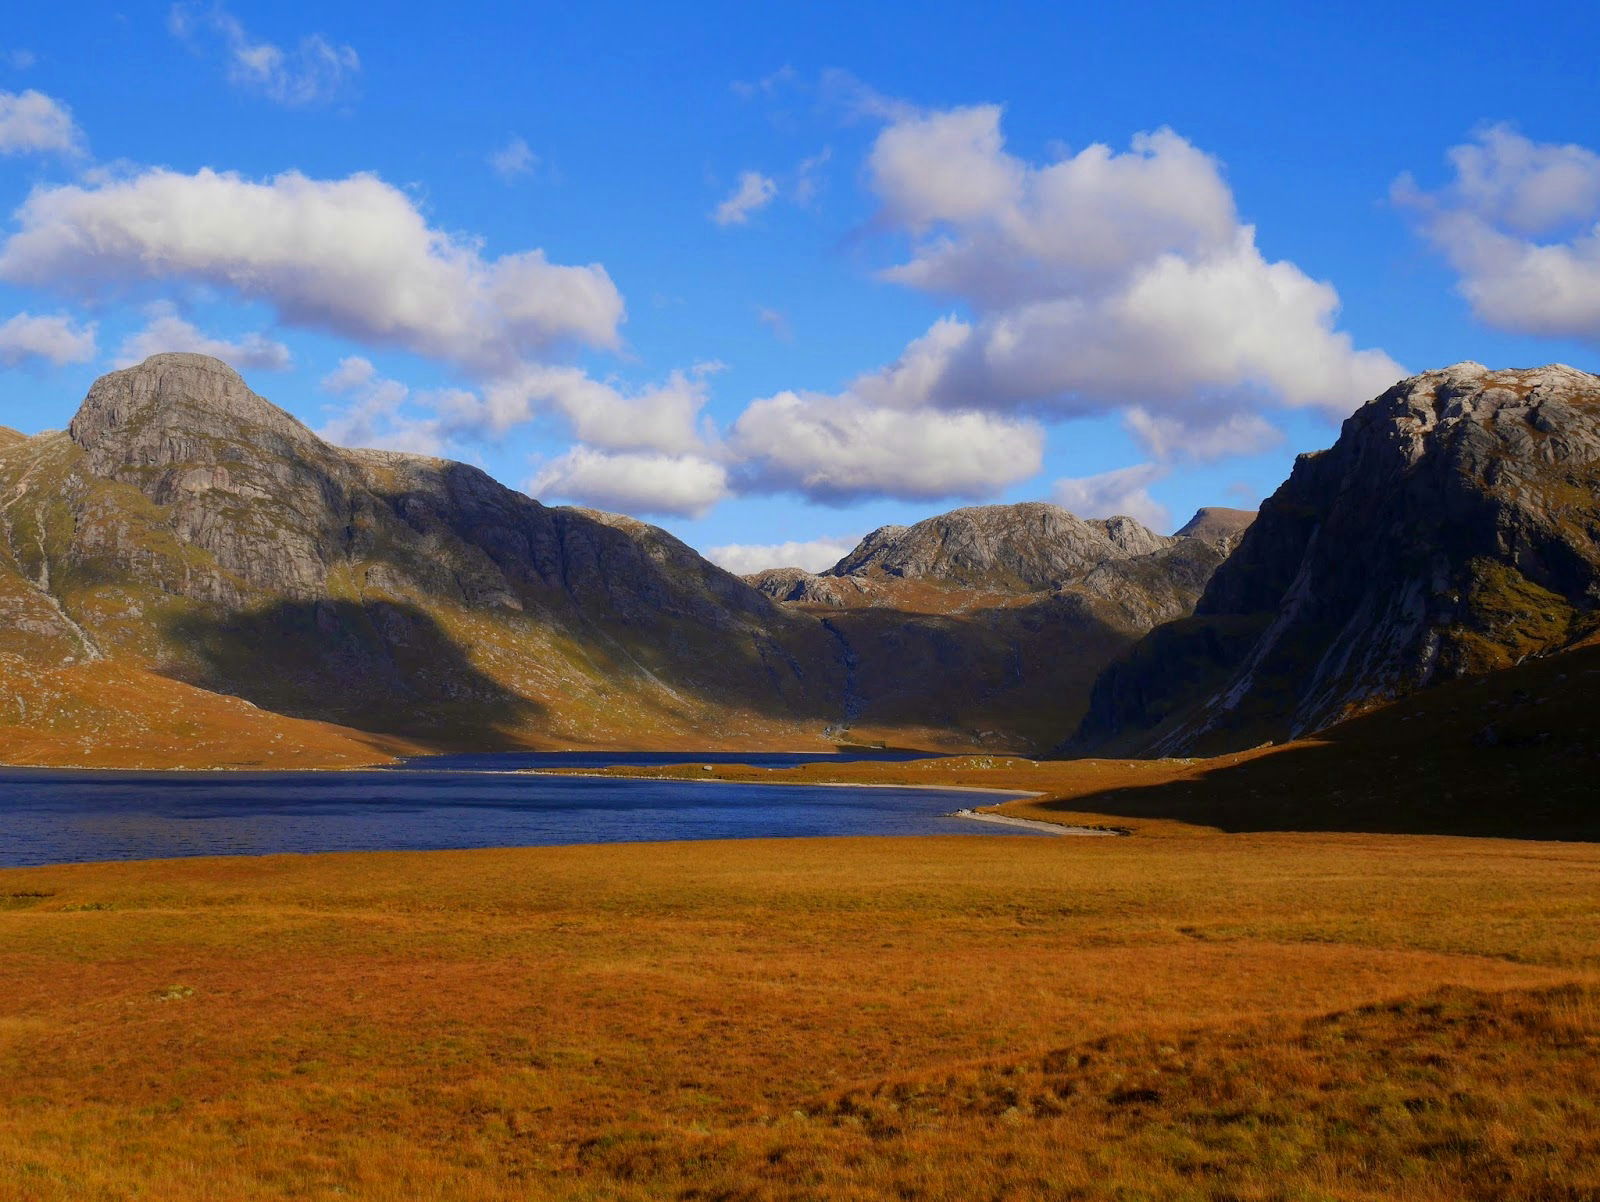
1044, 828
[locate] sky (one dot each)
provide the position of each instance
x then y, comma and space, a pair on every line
773, 276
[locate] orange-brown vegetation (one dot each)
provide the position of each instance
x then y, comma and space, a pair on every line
1259, 1016
114, 715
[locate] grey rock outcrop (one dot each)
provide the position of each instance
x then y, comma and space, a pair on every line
1453, 528
1020, 548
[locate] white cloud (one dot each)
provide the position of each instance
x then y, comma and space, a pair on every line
814, 555
1213, 437
315, 71
33, 122
1103, 279
54, 339
515, 158
374, 415
1125, 491
754, 191
352, 256
839, 448
18, 59
1507, 192
633, 482
167, 331
660, 417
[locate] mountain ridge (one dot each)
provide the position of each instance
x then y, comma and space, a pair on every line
184, 528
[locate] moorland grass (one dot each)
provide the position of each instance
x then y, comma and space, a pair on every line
1257, 1016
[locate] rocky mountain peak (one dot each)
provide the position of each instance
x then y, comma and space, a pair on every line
180, 408
1218, 525
1022, 547
1453, 528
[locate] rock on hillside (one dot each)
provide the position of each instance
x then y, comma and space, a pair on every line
1454, 528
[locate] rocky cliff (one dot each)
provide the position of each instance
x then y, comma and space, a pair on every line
1453, 528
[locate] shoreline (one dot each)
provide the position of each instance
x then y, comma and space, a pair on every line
1044, 828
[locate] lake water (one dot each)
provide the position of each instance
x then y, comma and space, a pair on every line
49, 816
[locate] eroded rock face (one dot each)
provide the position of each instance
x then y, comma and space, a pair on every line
1453, 528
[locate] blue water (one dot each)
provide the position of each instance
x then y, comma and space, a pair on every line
49, 816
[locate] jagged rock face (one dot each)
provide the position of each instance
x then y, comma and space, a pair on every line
1017, 547
1454, 528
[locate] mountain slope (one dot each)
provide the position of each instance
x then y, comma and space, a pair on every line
186, 526
1453, 529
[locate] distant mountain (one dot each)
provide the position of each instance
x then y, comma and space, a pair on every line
995, 619
189, 565
1453, 529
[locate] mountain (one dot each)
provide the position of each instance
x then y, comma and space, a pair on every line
994, 620
188, 574
1453, 529
188, 528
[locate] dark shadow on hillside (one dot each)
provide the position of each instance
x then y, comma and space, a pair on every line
379, 667
1513, 754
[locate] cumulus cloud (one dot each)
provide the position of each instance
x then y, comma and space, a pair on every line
1124, 491
1519, 222
53, 339
167, 331
633, 482
31, 122
350, 256
1214, 437
513, 159
374, 414
814, 554
659, 417
754, 191
313, 72
840, 448
1103, 281
1104, 278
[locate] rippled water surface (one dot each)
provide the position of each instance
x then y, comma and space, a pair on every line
49, 816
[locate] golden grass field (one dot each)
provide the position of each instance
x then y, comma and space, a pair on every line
1241, 1016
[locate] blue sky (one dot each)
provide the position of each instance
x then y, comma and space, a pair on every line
773, 274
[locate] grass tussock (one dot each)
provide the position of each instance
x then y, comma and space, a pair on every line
1250, 1017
